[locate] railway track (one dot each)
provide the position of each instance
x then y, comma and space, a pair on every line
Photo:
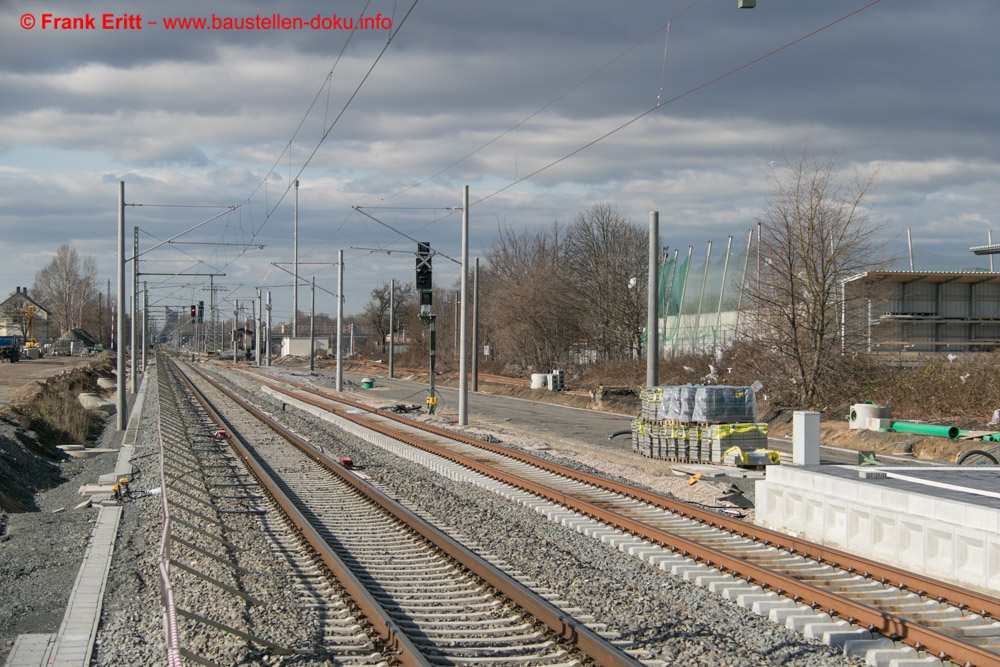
429, 599
804, 584
213, 577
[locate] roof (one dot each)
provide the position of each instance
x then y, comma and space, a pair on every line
928, 277
80, 335
25, 297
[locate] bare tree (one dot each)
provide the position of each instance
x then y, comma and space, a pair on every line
14, 314
606, 253
376, 311
68, 289
816, 231
524, 315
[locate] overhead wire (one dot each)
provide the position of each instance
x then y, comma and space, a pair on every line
673, 99
269, 210
659, 104
350, 99
548, 104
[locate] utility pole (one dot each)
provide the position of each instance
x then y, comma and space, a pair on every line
295, 267
267, 331
392, 327
312, 325
256, 328
145, 323
653, 304
463, 360
236, 314
135, 322
475, 327
340, 320
120, 325
211, 312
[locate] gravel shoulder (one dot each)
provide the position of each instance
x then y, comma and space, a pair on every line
41, 551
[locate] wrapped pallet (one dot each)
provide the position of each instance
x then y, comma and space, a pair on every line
724, 405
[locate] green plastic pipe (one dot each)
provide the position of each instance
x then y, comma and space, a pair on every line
926, 429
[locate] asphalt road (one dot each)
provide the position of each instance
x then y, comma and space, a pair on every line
486, 410
550, 420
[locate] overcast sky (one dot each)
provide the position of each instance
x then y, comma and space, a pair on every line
229, 118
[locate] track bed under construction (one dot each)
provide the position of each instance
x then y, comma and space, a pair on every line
855, 597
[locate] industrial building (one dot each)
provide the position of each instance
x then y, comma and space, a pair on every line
923, 311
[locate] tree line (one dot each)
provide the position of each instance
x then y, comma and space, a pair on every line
576, 293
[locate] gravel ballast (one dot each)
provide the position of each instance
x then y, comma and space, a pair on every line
673, 619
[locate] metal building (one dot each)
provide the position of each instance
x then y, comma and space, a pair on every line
923, 311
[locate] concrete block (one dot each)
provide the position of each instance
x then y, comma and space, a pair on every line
887, 657
764, 607
818, 629
683, 569
857, 648
744, 597
837, 638
878, 424
94, 402
663, 560
923, 660
805, 438
798, 622
694, 575
643, 550
780, 614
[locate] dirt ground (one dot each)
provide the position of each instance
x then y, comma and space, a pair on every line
15, 376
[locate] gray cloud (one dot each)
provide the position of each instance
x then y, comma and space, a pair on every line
190, 117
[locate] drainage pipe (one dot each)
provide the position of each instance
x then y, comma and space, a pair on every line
926, 429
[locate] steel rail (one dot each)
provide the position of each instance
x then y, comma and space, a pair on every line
891, 625
986, 605
407, 654
561, 624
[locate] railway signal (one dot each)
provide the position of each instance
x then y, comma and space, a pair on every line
424, 276
425, 285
